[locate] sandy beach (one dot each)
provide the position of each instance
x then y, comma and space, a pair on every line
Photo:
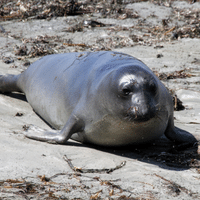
165, 36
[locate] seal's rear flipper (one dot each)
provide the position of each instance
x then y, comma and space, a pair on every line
8, 83
72, 126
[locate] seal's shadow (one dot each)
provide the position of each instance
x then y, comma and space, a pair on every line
162, 152
17, 95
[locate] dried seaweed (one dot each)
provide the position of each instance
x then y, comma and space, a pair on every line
7, 60
21, 51
78, 169
40, 9
40, 46
183, 73
178, 104
176, 188
147, 34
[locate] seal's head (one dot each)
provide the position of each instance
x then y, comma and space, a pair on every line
136, 92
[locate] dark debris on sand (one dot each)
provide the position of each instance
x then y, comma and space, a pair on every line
147, 34
40, 9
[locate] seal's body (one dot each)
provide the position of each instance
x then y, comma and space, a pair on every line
104, 98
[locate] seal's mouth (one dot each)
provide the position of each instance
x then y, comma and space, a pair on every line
137, 114
139, 118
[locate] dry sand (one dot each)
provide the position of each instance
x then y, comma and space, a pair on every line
151, 172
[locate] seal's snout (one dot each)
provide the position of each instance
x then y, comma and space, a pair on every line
141, 113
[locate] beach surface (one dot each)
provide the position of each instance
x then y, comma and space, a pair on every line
166, 37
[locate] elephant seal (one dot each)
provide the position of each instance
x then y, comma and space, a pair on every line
103, 98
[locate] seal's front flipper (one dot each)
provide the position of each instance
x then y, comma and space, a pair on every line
36, 133
73, 125
181, 136
178, 135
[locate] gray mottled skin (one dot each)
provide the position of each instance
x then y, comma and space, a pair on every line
104, 98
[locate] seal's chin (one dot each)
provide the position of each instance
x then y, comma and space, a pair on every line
142, 118
138, 118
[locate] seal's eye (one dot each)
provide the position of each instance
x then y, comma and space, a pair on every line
153, 88
126, 91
